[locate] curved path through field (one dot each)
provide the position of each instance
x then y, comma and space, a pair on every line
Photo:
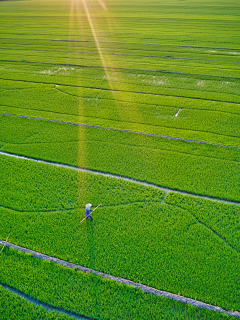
166, 190
142, 287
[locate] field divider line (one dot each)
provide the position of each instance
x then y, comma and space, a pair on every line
144, 288
123, 42
128, 55
117, 68
105, 174
120, 130
170, 50
120, 90
43, 304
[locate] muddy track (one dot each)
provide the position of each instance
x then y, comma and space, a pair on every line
146, 289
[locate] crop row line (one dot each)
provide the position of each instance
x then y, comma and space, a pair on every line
166, 190
127, 55
144, 288
115, 100
207, 227
44, 305
123, 130
127, 49
121, 68
36, 211
111, 90
121, 42
119, 130
63, 209
96, 140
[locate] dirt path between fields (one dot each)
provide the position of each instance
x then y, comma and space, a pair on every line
142, 287
122, 130
166, 190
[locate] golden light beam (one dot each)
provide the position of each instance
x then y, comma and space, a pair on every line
102, 4
95, 38
132, 113
75, 19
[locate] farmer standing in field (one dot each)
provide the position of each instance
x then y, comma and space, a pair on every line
88, 211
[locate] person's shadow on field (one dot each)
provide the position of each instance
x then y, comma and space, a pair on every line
91, 244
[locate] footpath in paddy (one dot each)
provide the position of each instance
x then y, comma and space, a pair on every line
142, 287
166, 190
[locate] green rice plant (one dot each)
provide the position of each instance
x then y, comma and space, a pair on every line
43, 98
14, 307
133, 235
31, 187
221, 218
172, 68
83, 294
174, 164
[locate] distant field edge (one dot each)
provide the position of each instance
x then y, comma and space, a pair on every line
144, 288
166, 190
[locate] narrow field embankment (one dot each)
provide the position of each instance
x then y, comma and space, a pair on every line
121, 130
166, 190
142, 287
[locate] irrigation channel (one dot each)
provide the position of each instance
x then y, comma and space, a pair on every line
142, 287
44, 305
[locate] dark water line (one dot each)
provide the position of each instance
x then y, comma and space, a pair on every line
41, 304
144, 288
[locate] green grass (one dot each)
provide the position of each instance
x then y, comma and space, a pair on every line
211, 116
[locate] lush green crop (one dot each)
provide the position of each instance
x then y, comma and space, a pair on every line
50, 98
175, 164
169, 68
221, 218
14, 307
31, 187
198, 119
134, 235
83, 294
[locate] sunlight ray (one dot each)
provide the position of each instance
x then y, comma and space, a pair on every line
75, 20
124, 112
102, 4
95, 36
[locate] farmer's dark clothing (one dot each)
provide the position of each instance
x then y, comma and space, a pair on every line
87, 213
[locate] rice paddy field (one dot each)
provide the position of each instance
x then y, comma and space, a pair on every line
133, 105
